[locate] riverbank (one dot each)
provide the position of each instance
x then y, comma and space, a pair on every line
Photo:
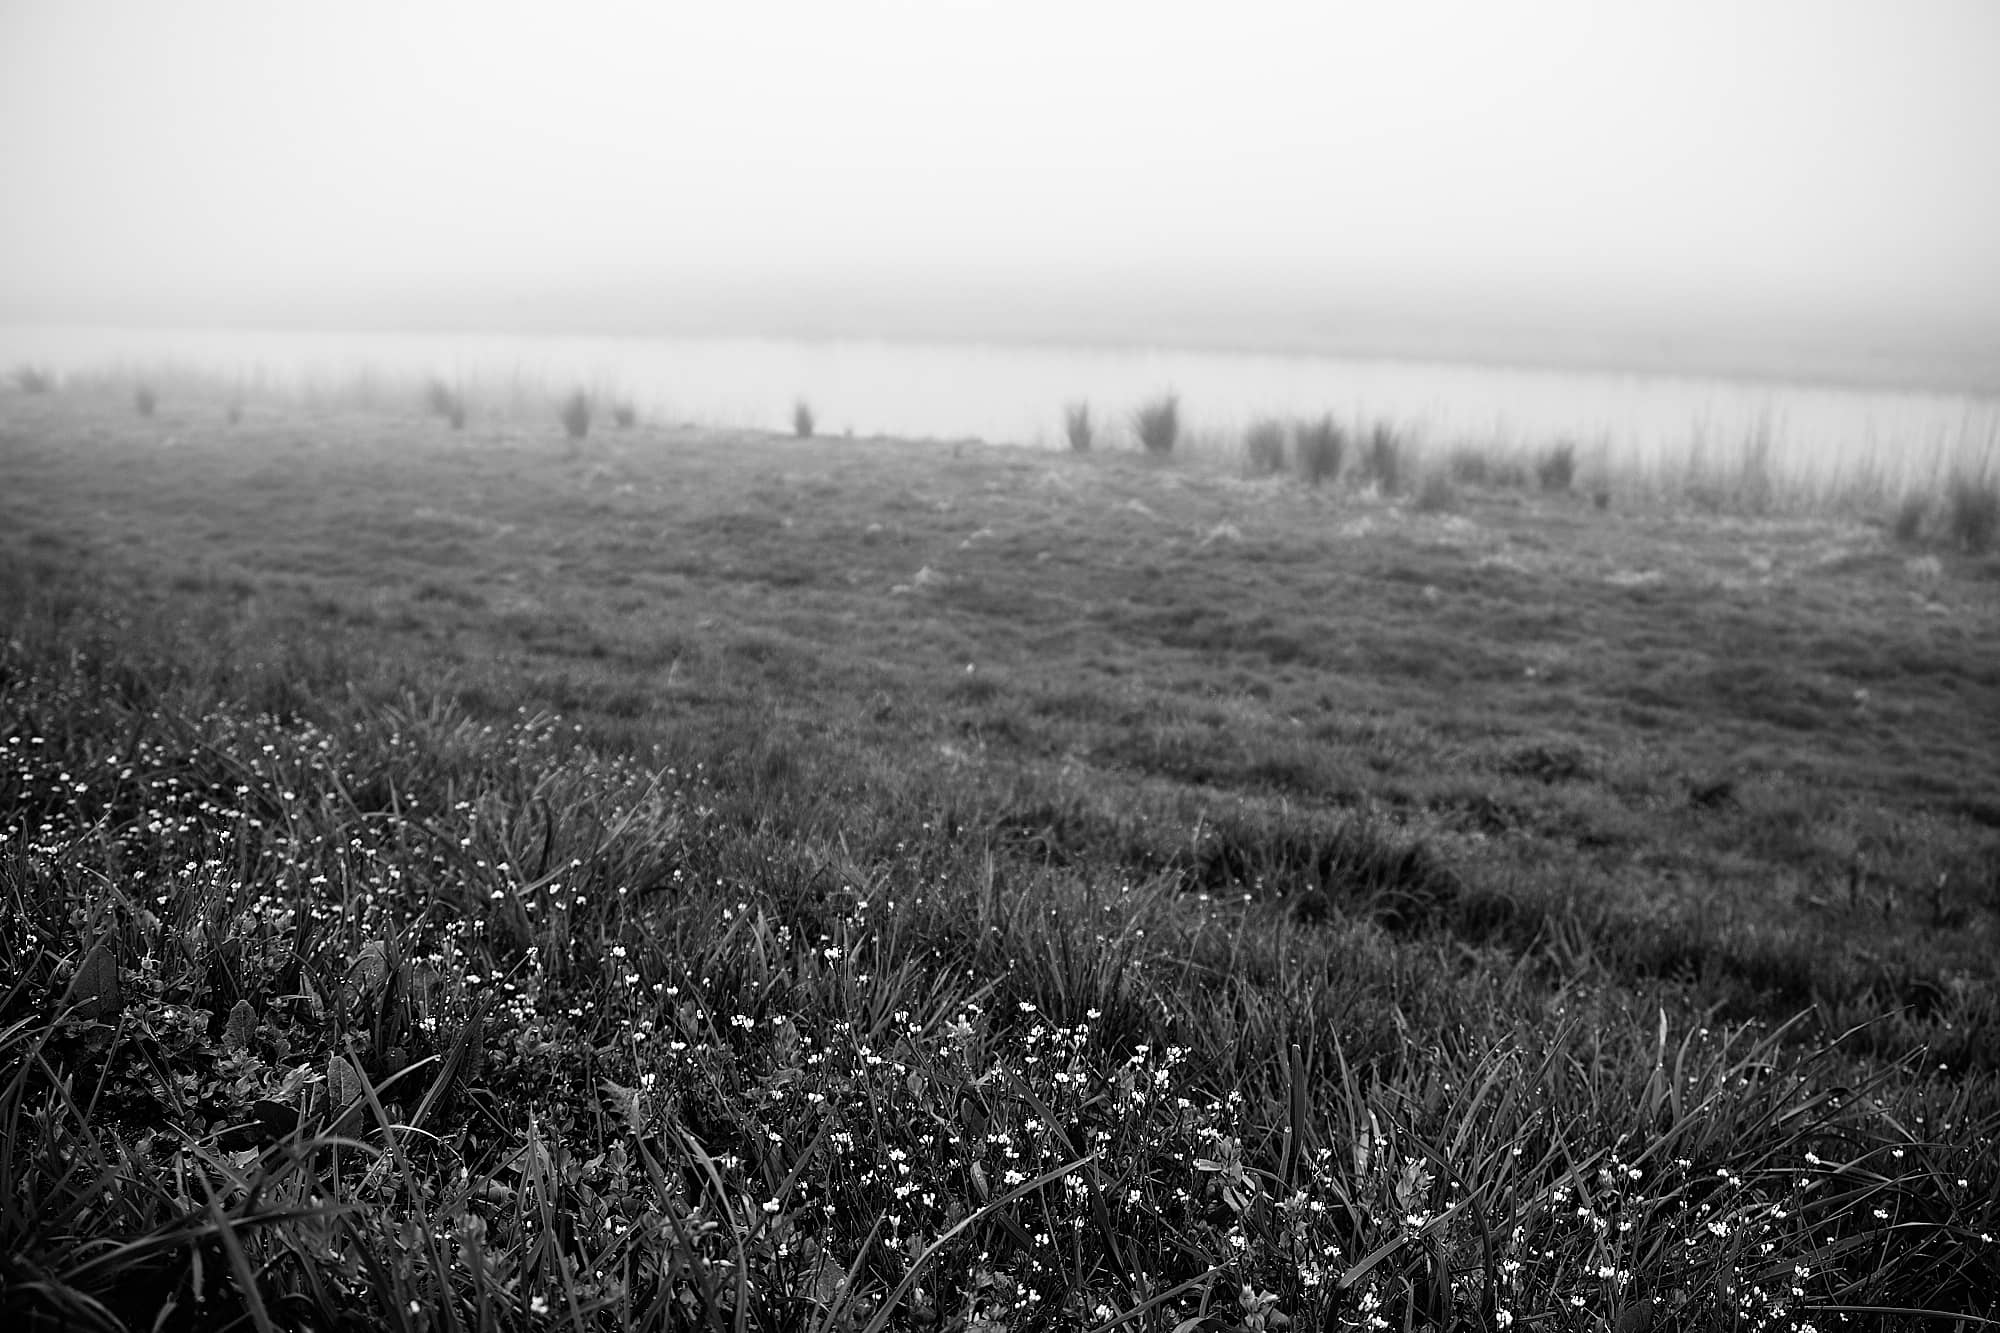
706, 869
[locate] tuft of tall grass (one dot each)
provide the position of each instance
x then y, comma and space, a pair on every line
1907, 525
1972, 511
1077, 426
1264, 447
575, 414
437, 396
1319, 445
802, 419
1158, 424
624, 414
33, 379
145, 400
441, 399
1556, 469
1756, 481
1382, 460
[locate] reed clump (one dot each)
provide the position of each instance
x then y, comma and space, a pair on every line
1077, 426
1157, 423
1319, 445
1264, 447
575, 413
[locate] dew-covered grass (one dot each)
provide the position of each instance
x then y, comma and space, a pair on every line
460, 881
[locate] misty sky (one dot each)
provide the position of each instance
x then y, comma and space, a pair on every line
1817, 160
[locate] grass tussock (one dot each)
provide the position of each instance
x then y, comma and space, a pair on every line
1964, 515
623, 414
575, 413
33, 379
1264, 447
1158, 425
1754, 488
1972, 512
381, 953
1078, 428
1907, 524
1382, 459
145, 399
444, 401
1555, 470
802, 419
1320, 445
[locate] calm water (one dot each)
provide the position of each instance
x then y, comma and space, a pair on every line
1016, 394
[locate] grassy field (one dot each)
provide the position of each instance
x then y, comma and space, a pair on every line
482, 879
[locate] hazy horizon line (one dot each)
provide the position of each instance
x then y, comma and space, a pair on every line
1247, 319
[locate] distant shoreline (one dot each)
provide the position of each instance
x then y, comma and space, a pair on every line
1884, 371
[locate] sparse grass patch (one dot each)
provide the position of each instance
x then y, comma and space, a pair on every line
1264, 447
1320, 445
1158, 424
1077, 427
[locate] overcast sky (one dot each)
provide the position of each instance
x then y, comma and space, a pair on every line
1818, 159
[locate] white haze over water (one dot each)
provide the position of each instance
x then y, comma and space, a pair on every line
1013, 394
1792, 186
947, 218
